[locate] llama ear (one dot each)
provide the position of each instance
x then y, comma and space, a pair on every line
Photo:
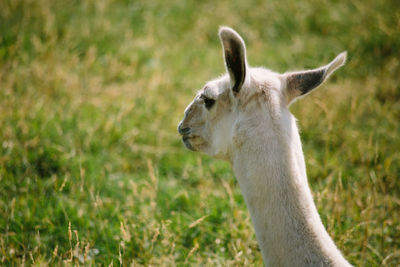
235, 56
302, 82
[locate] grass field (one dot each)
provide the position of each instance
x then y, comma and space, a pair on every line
93, 172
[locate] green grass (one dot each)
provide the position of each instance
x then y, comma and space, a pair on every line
92, 170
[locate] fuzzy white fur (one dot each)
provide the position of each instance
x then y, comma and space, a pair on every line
254, 130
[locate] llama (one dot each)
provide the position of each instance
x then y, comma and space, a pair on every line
243, 117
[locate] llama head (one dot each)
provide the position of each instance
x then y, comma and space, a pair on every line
230, 109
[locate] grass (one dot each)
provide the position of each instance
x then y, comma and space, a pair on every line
92, 171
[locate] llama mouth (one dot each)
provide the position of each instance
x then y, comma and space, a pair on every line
185, 139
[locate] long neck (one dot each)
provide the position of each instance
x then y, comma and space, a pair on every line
271, 173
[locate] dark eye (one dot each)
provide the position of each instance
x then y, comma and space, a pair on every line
208, 102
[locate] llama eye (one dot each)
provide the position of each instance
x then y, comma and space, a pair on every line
208, 102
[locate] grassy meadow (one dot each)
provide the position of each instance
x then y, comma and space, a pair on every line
93, 172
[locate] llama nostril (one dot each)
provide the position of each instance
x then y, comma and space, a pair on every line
184, 131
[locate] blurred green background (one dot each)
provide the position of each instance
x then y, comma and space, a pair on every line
93, 172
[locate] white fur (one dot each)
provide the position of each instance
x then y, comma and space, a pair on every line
254, 130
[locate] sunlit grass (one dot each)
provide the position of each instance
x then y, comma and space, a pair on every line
92, 170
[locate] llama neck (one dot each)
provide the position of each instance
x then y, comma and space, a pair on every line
274, 184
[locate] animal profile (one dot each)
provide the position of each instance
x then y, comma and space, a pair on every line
244, 118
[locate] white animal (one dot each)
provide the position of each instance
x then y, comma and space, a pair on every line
243, 117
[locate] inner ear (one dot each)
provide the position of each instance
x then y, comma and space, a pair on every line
302, 82
235, 57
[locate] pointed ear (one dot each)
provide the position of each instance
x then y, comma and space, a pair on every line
235, 56
300, 83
